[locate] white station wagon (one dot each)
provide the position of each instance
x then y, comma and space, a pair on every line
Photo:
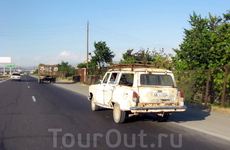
15, 76
137, 91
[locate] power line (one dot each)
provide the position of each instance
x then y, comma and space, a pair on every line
121, 37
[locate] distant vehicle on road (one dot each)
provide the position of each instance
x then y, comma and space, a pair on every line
47, 73
15, 76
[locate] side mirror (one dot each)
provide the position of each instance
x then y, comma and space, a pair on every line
99, 81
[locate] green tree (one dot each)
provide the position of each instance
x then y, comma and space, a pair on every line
102, 54
128, 56
81, 65
205, 45
66, 68
146, 55
35, 72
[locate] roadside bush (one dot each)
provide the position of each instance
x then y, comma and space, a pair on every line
70, 78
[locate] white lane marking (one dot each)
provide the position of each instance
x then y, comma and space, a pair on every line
4, 80
26, 79
33, 98
28, 87
204, 131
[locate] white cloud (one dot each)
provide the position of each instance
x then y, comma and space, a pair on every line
65, 56
65, 53
118, 57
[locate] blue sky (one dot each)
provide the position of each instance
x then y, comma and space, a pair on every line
49, 31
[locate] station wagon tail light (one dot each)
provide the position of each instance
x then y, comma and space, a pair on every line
135, 97
181, 95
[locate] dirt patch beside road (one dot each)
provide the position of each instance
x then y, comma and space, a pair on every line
209, 108
221, 110
3, 77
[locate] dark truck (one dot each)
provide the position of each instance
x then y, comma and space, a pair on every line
47, 73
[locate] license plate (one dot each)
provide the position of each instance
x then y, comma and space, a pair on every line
160, 94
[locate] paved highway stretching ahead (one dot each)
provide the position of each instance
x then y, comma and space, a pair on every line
43, 117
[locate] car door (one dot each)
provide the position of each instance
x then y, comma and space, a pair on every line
123, 91
109, 88
101, 88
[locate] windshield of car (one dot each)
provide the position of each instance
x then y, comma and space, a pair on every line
152, 79
105, 80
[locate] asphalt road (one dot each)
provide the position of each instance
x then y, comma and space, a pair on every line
43, 117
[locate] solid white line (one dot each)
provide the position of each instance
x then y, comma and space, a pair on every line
207, 132
4, 80
33, 98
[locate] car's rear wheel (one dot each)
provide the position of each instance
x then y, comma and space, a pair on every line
118, 115
94, 107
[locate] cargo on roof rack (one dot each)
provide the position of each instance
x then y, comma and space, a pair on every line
140, 64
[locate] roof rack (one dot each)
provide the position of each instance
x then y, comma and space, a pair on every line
141, 64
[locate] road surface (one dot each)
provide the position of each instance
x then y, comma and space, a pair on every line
45, 116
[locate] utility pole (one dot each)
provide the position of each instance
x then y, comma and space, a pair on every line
87, 46
4, 69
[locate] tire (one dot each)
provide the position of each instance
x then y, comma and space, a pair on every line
39, 80
118, 115
163, 118
94, 107
53, 80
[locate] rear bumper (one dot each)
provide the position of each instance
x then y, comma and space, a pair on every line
158, 109
46, 77
16, 78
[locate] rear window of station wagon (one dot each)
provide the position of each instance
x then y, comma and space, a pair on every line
16, 74
152, 79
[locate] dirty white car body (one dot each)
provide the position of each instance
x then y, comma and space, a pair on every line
137, 91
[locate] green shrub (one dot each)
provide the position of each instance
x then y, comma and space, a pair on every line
69, 78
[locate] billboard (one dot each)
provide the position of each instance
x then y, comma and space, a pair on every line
10, 65
5, 60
